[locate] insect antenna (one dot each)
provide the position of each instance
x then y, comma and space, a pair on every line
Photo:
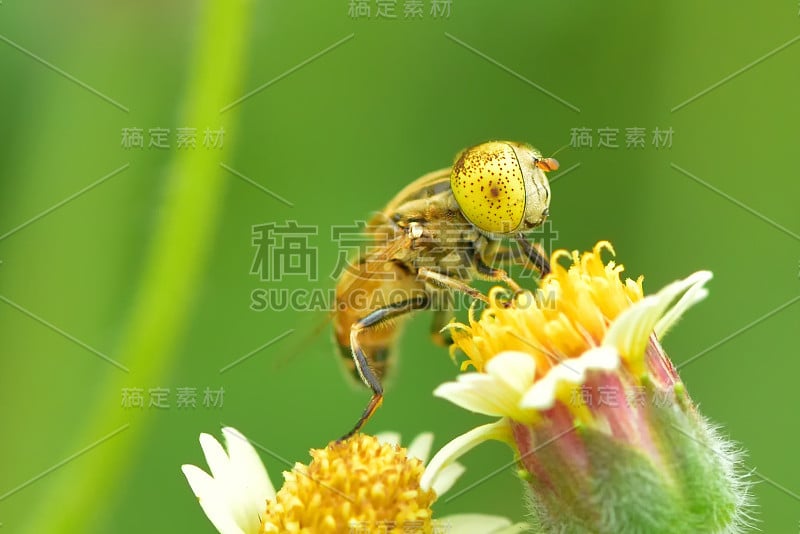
554, 154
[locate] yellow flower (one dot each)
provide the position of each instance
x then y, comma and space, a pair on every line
535, 350
360, 481
604, 430
365, 484
568, 315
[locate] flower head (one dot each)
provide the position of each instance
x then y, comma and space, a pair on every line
569, 314
364, 484
605, 431
360, 481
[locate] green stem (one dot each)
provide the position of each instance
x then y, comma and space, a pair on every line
172, 272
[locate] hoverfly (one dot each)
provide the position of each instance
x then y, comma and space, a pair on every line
435, 236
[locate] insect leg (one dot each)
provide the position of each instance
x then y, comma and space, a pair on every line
441, 318
506, 255
442, 280
524, 254
491, 273
535, 254
375, 318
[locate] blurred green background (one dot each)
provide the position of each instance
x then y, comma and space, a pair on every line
151, 266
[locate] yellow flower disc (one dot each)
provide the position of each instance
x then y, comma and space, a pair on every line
359, 485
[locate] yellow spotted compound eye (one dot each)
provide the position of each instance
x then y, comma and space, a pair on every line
489, 186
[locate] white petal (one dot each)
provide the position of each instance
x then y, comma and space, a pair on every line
474, 392
212, 500
216, 458
693, 295
475, 524
392, 438
515, 369
238, 487
459, 446
542, 395
497, 391
447, 477
247, 465
249, 486
631, 330
421, 447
